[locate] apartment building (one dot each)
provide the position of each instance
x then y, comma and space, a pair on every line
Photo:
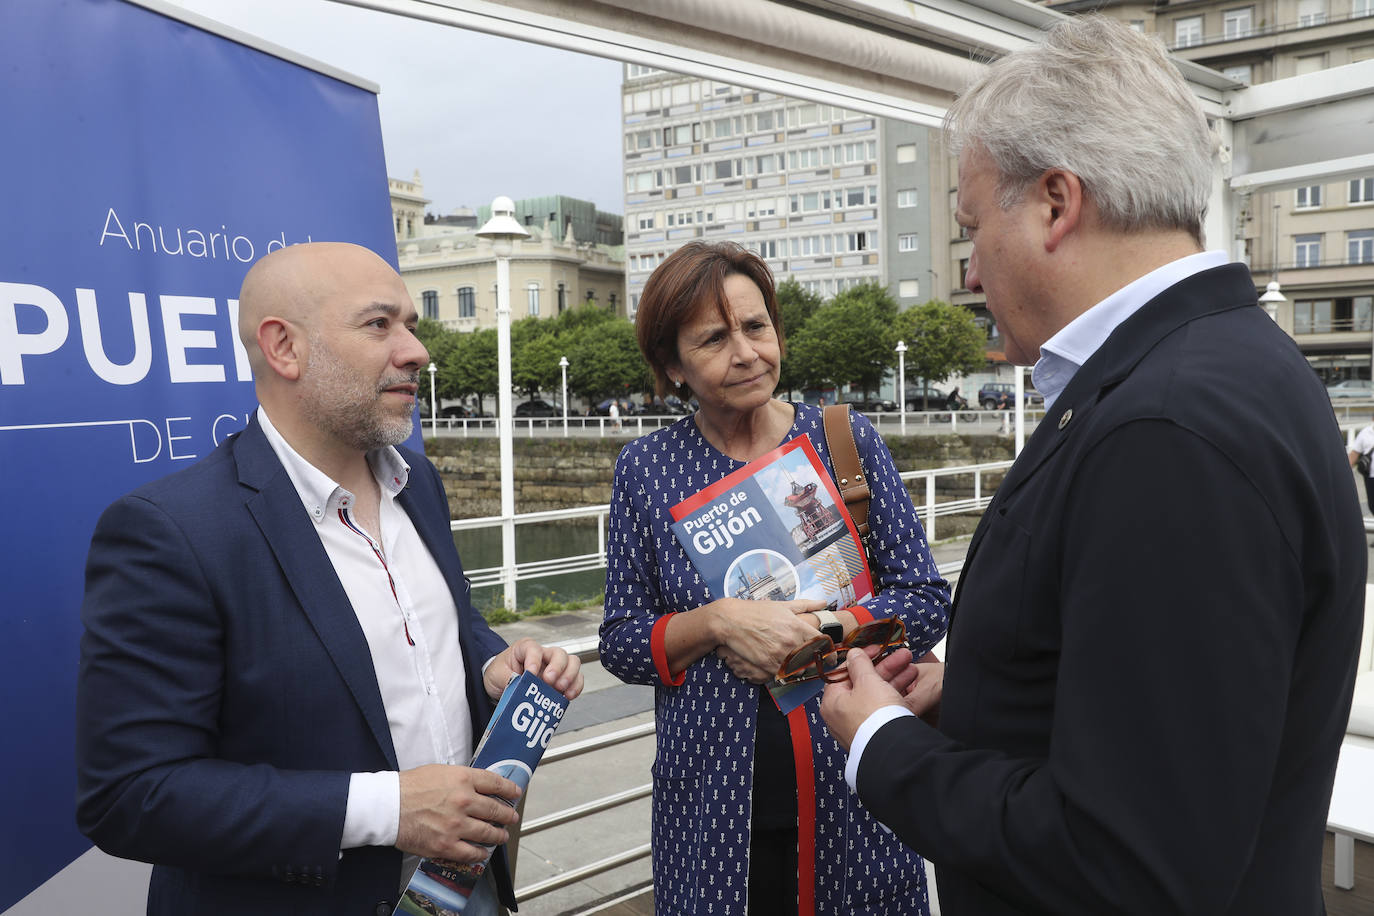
829, 196
1316, 241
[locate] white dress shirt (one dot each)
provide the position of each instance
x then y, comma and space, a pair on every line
410, 621
1060, 358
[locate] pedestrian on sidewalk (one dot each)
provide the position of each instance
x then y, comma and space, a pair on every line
1363, 448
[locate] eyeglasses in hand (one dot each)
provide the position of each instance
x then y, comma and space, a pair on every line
819, 657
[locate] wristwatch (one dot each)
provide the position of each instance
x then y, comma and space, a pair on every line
830, 626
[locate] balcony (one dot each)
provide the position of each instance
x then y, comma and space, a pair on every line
1189, 48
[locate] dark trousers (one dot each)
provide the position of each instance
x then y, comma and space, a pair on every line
773, 872
1369, 495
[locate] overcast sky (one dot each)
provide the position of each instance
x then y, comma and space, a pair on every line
548, 124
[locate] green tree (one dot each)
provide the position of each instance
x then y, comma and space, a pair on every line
604, 361
582, 316
470, 366
941, 339
847, 341
439, 341
534, 364
795, 308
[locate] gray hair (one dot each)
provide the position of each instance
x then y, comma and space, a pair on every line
1104, 102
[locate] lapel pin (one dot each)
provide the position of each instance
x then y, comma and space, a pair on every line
1064, 420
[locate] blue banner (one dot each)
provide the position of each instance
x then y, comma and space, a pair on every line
146, 165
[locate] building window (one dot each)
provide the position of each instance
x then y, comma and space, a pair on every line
1312, 317
907, 197
1309, 197
1360, 246
767, 249
1361, 313
1361, 8
908, 289
1237, 23
908, 241
1307, 250
532, 297
906, 153
1362, 190
467, 303
1309, 63
1311, 12
646, 221
563, 297
1241, 73
858, 241
1188, 32
430, 303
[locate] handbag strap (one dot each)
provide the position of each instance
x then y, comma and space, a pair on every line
844, 459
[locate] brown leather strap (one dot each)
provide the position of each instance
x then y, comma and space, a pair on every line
844, 459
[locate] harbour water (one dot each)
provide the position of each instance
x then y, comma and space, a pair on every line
481, 548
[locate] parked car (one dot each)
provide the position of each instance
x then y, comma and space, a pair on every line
924, 397
455, 411
670, 406
992, 392
1352, 388
537, 408
628, 408
862, 402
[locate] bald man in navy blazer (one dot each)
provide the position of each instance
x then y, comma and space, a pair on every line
282, 675
1153, 645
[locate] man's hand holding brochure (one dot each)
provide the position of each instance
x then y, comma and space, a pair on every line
525, 719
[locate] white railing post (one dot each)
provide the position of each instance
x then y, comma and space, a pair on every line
930, 507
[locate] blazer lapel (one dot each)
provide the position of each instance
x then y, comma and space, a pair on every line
276, 507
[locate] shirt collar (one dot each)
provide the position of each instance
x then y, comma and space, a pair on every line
320, 495
1073, 344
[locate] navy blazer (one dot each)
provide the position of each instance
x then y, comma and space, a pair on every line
226, 691
1153, 646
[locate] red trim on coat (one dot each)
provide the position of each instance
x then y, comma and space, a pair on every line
862, 615
659, 649
806, 810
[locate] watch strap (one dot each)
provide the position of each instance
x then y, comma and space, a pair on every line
830, 625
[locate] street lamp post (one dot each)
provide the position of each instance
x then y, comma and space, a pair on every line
563, 369
1272, 296
901, 382
433, 413
502, 230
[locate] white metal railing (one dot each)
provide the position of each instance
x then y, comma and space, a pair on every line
930, 508
971, 419
529, 427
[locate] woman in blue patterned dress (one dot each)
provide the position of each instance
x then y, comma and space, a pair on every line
751, 814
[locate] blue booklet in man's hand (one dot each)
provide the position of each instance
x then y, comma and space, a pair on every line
525, 719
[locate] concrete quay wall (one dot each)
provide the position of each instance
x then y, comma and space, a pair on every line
558, 473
